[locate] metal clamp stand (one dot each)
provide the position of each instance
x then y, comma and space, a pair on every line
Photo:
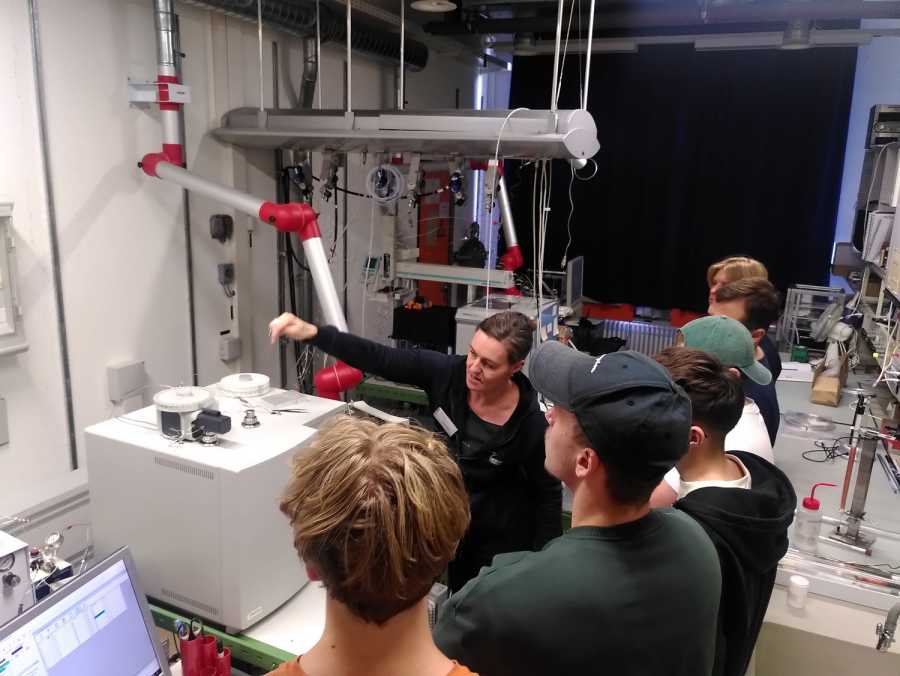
849, 535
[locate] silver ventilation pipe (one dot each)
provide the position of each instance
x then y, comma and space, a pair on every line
310, 73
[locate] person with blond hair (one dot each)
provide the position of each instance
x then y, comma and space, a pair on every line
377, 511
735, 269
731, 269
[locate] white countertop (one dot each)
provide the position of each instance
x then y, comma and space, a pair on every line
834, 610
298, 624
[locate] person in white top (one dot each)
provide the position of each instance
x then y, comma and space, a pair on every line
750, 433
732, 344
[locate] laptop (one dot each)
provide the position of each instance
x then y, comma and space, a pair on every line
99, 624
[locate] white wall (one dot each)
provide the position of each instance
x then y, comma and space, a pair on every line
877, 81
122, 233
31, 382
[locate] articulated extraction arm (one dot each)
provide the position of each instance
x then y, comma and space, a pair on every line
291, 217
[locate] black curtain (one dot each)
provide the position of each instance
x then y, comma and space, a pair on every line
704, 155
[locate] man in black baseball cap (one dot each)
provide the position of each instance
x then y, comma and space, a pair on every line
627, 590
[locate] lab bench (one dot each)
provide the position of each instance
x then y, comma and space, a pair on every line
833, 634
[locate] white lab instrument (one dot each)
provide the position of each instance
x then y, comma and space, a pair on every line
15, 577
202, 520
177, 408
244, 385
468, 317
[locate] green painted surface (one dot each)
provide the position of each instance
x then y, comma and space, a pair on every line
243, 649
383, 390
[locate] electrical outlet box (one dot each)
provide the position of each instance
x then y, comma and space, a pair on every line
125, 379
229, 348
226, 273
221, 227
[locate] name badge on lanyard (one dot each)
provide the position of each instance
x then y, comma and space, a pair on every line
445, 422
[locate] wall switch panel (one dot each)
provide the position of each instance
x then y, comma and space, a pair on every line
229, 348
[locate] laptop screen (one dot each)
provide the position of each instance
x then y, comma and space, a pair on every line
97, 629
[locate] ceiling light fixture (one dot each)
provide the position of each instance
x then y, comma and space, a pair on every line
433, 6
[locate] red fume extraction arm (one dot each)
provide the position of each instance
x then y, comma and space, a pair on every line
292, 217
512, 258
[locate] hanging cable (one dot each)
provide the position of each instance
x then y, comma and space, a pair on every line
349, 60
490, 199
400, 97
365, 286
590, 49
559, 14
580, 59
565, 257
562, 68
587, 178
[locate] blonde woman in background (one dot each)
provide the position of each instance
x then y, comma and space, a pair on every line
377, 511
732, 269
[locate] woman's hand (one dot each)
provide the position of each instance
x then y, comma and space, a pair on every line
291, 326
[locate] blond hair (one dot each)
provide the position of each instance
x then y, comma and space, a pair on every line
735, 268
378, 511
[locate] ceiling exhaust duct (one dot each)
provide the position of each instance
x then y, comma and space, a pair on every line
662, 16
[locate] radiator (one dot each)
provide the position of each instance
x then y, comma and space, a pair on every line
648, 339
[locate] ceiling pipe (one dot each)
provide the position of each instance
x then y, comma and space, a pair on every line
167, 74
657, 17
310, 72
707, 41
299, 19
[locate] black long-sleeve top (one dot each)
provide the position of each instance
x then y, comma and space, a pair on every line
515, 504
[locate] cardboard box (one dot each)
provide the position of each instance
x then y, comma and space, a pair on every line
827, 390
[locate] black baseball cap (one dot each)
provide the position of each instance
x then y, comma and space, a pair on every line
629, 408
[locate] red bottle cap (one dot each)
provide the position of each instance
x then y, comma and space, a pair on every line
810, 502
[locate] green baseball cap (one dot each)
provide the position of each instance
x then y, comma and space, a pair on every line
729, 341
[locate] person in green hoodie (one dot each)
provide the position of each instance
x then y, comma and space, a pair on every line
743, 502
628, 590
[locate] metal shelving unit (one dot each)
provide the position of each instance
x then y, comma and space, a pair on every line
804, 305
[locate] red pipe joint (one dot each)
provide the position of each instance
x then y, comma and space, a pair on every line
339, 377
296, 217
162, 85
512, 260
171, 153
150, 161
